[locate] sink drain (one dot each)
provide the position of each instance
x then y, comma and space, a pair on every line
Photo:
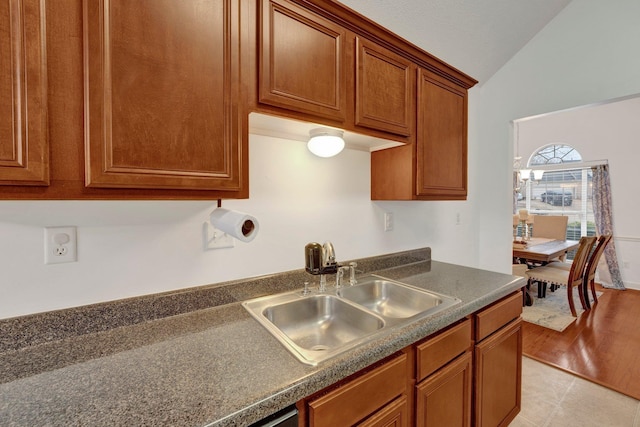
320, 348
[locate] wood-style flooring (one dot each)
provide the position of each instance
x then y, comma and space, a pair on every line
603, 345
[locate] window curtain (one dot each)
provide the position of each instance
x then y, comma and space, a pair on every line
608, 271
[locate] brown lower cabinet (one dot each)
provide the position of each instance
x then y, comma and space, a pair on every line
364, 398
497, 376
468, 374
444, 399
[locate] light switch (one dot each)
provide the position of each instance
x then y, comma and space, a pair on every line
388, 221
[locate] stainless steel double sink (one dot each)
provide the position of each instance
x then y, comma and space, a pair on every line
319, 326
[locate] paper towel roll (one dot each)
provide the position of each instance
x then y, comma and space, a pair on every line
240, 225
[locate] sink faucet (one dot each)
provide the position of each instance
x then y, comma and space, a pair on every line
329, 258
340, 276
352, 273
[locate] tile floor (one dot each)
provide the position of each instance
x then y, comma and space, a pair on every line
554, 398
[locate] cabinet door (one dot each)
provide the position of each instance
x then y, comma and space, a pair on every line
162, 94
444, 398
302, 61
498, 367
441, 138
395, 414
24, 149
385, 94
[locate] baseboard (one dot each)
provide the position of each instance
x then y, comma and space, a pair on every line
632, 285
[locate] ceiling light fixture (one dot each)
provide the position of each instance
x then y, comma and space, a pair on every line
325, 142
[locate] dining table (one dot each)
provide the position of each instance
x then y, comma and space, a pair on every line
540, 250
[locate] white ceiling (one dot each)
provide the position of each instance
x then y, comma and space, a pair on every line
475, 36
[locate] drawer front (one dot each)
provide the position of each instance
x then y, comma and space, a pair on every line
436, 352
361, 397
495, 317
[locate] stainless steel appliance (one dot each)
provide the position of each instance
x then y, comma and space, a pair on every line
287, 417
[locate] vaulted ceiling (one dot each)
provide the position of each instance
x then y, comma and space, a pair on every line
476, 36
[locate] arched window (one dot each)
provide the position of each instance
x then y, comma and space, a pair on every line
555, 154
563, 189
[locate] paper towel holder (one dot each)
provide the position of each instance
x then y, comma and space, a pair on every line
225, 226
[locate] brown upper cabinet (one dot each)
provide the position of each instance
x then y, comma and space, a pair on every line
132, 99
162, 94
320, 62
24, 149
144, 99
302, 61
384, 89
314, 66
434, 166
441, 138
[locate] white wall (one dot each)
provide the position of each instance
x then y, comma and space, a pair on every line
604, 131
585, 55
134, 248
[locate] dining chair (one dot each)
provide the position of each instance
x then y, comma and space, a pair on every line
551, 227
560, 277
592, 265
590, 268
521, 270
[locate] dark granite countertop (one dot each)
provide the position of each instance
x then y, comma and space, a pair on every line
213, 366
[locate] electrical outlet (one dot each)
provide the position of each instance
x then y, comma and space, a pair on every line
60, 245
388, 221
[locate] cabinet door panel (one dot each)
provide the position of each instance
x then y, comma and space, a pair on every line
162, 94
498, 367
24, 149
301, 61
395, 414
444, 399
441, 138
384, 89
